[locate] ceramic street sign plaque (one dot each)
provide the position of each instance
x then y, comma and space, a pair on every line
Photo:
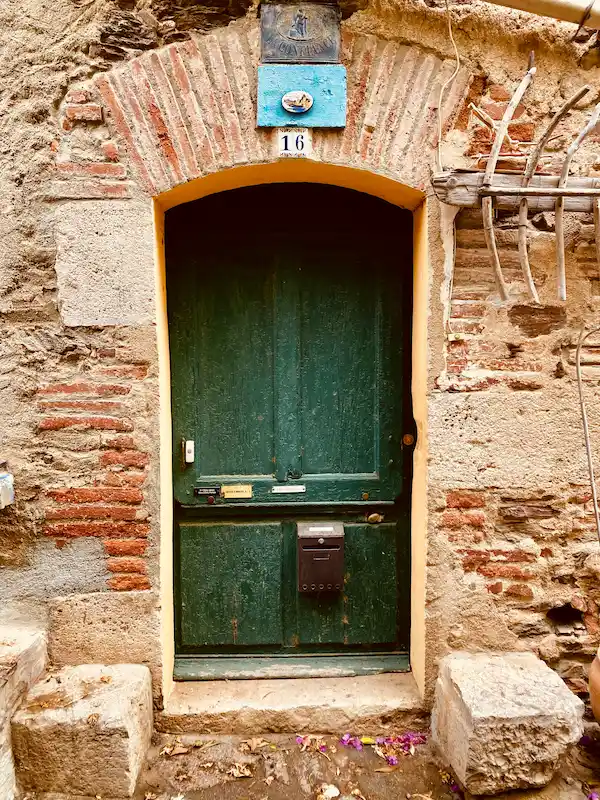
298, 34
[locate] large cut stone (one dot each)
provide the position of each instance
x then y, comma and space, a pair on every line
503, 721
85, 730
22, 662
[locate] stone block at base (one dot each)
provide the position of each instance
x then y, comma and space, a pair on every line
503, 721
84, 731
22, 661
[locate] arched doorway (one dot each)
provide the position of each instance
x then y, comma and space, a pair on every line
289, 312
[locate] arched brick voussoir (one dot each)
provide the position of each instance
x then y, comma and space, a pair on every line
189, 109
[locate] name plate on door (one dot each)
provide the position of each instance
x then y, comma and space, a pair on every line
237, 491
291, 489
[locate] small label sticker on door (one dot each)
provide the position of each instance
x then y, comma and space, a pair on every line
237, 491
292, 489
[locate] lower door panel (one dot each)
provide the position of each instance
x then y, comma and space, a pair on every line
237, 592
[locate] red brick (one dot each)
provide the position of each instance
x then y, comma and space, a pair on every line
77, 96
592, 624
126, 583
510, 571
106, 352
496, 110
81, 405
147, 99
99, 170
125, 478
92, 512
121, 123
520, 590
125, 458
495, 588
96, 495
463, 498
95, 423
125, 547
127, 564
455, 519
90, 112
118, 530
498, 92
473, 559
522, 131
110, 150
126, 372
84, 388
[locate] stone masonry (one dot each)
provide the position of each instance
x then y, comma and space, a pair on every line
107, 106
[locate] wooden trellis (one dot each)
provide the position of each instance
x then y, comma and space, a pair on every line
491, 190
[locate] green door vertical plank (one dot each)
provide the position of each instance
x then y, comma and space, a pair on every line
286, 379
340, 363
230, 584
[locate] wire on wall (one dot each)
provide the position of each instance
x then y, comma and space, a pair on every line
445, 86
583, 336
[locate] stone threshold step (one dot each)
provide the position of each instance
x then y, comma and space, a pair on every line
373, 703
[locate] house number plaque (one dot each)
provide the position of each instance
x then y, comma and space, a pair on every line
300, 34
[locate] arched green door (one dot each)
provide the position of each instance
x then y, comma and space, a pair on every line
289, 325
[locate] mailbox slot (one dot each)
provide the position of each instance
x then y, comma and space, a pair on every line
320, 557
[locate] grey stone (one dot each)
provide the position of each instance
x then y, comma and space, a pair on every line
503, 721
308, 705
22, 661
105, 262
79, 566
106, 628
85, 730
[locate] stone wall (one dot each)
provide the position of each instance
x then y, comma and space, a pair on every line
107, 105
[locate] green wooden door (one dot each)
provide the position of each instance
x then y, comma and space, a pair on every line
290, 372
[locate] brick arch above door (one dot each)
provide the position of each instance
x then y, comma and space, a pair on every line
188, 110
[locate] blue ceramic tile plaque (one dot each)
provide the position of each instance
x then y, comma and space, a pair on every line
324, 84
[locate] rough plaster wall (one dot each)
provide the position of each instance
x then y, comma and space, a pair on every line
500, 438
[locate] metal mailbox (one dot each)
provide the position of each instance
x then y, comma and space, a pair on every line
320, 556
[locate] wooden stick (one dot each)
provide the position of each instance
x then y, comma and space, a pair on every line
536, 191
560, 204
487, 204
530, 168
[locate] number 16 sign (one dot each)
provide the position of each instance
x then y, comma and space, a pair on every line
294, 142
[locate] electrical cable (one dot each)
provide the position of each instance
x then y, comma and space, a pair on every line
445, 86
583, 336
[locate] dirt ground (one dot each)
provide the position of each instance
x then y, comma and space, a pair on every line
282, 767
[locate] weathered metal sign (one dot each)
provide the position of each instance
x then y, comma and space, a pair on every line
308, 33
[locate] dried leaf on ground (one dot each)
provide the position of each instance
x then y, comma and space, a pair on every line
269, 779
327, 791
149, 796
174, 749
105, 679
387, 768
240, 771
200, 745
254, 745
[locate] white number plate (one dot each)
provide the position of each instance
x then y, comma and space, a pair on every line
294, 142
292, 489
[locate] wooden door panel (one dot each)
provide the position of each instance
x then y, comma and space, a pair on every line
366, 611
230, 584
222, 355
